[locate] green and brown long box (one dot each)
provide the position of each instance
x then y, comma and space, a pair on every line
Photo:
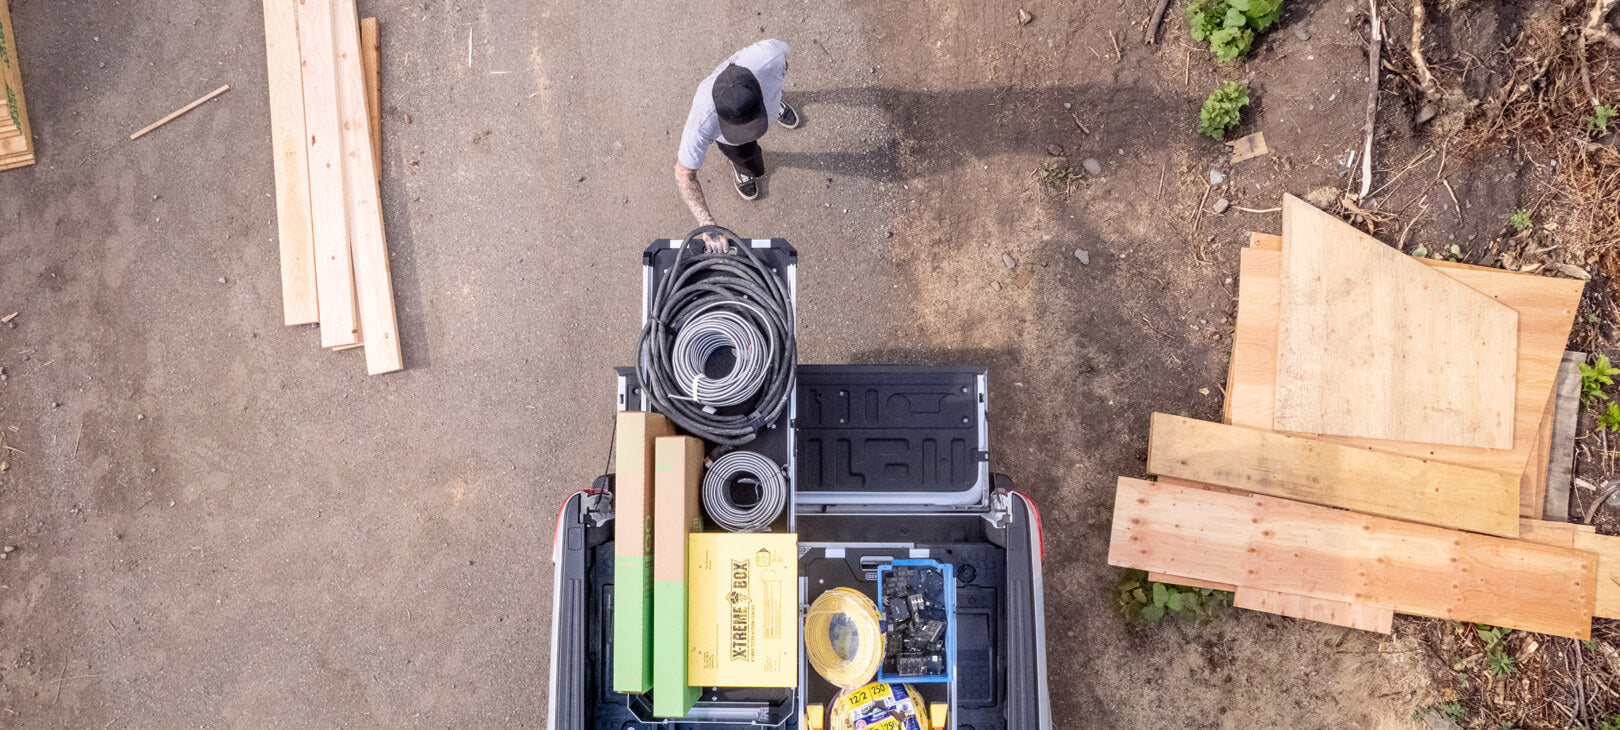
677, 480
632, 548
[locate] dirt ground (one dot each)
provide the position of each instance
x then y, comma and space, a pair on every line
219, 524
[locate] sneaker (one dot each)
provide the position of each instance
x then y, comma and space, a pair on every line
747, 186
788, 118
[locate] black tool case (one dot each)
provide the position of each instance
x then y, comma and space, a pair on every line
887, 462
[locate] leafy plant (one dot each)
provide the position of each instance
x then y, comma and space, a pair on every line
1230, 25
1221, 109
1491, 635
1596, 377
1056, 175
1612, 723
1592, 644
1139, 598
1609, 420
1520, 220
1501, 662
1598, 120
1452, 710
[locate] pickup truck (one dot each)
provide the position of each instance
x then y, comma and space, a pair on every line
887, 462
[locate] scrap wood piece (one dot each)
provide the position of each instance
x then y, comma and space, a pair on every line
1265, 241
1350, 615
1547, 312
374, 287
1561, 450
1248, 147
1321, 552
1373, 344
334, 270
1332, 475
290, 158
182, 110
1152, 31
371, 58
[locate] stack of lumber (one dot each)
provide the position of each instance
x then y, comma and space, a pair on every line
1385, 448
16, 139
326, 136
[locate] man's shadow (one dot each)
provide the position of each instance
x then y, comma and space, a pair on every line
934, 132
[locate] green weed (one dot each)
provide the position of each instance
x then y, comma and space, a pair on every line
1520, 220
1230, 26
1055, 175
1595, 378
1598, 120
1609, 418
1222, 108
1138, 598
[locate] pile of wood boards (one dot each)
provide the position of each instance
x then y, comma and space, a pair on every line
16, 139
325, 119
1385, 447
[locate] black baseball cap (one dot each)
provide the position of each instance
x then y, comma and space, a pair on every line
740, 104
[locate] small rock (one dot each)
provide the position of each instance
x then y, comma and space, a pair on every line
9, 548
140, 416
222, 280
1302, 32
1228, 280
1024, 17
1092, 166
1054, 150
581, 179
995, 286
171, 503
1009, 261
1203, 321
1221, 206
1083, 255
55, 404
1216, 177
3, 556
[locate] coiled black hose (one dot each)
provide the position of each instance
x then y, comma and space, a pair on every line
708, 301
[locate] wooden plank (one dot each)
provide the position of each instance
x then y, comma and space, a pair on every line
371, 58
1308, 470
1561, 449
1192, 582
1533, 481
334, 270
1371, 615
1251, 394
1547, 311
373, 284
1356, 616
1302, 549
1373, 344
290, 159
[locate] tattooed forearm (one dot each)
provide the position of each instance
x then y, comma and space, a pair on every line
692, 192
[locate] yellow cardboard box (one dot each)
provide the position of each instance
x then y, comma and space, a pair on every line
743, 610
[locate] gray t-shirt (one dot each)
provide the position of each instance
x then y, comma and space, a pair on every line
768, 61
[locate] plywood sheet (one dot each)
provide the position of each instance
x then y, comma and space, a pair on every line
1334, 475
1338, 613
1546, 308
1373, 344
374, 287
334, 270
1296, 548
1193, 582
1533, 481
1607, 549
290, 159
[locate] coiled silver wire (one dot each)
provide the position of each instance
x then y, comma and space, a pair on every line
713, 328
741, 465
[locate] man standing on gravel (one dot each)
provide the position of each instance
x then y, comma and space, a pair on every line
733, 108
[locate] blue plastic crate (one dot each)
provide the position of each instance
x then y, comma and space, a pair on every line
950, 618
